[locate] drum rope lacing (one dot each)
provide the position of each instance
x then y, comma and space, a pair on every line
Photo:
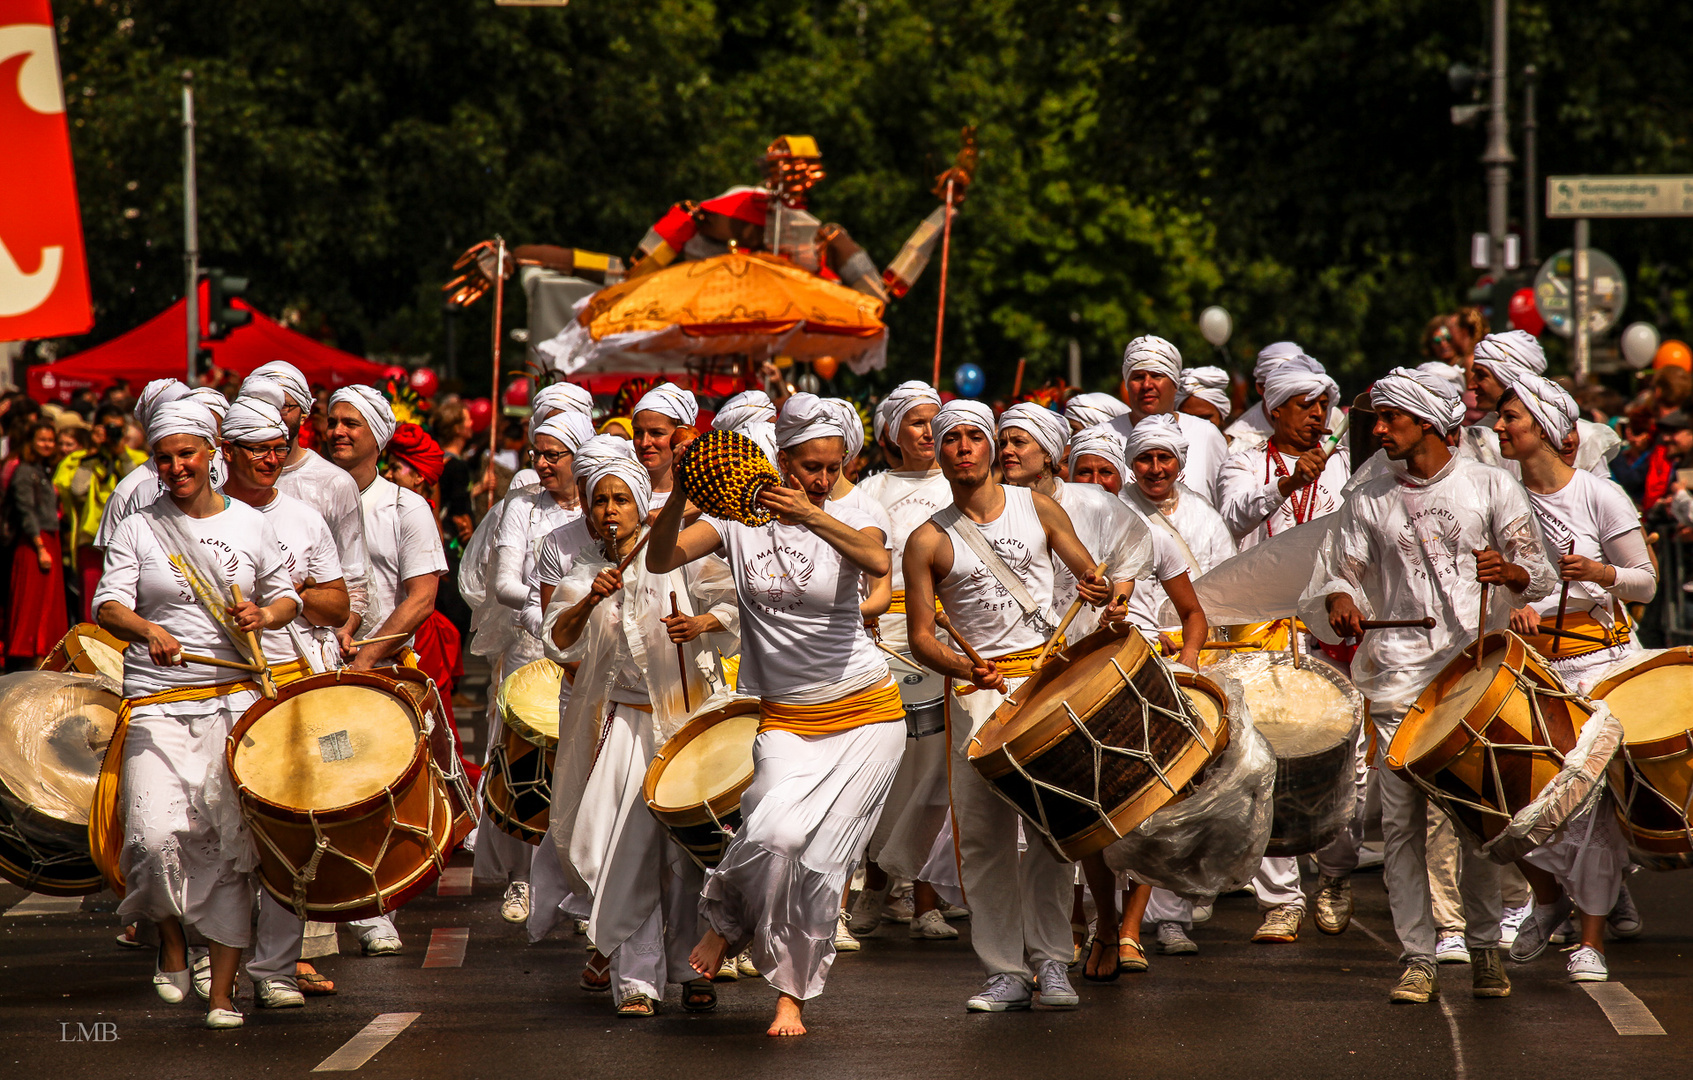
1099, 749
499, 765
1640, 784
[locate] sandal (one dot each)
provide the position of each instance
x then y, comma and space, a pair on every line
596, 976
1116, 969
637, 1005
1136, 962
699, 995
313, 982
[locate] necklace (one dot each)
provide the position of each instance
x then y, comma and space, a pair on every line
1303, 500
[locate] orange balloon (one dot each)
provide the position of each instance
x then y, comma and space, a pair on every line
1674, 353
825, 366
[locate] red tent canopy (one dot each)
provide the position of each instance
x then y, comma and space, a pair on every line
157, 349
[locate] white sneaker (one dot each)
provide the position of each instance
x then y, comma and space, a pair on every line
515, 907
866, 912
1173, 940
1450, 949
899, 909
1624, 919
469, 841
224, 1019
745, 967
932, 926
1511, 922
203, 978
1201, 914
953, 913
277, 994
1568, 933
1002, 993
1052, 986
844, 941
1587, 964
172, 986
380, 942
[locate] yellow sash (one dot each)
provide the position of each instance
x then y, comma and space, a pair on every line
1017, 665
897, 607
877, 705
1557, 648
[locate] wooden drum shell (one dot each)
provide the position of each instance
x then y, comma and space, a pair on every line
1653, 778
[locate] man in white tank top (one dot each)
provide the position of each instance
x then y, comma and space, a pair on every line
1019, 904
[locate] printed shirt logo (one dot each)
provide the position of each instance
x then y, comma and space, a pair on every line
1438, 534
777, 577
1017, 558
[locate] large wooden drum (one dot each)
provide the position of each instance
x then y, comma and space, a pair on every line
1484, 739
88, 650
517, 784
1652, 776
1094, 743
54, 731
695, 782
352, 786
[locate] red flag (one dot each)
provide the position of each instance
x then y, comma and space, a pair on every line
43, 271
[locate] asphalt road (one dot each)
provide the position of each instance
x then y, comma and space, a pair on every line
1316, 1008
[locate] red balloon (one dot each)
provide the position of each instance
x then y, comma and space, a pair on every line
517, 394
424, 382
825, 366
481, 412
1524, 315
395, 373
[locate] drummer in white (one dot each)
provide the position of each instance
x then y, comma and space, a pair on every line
1420, 541
1152, 372
1293, 477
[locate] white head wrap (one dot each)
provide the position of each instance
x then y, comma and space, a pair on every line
1049, 429
290, 378
1152, 353
184, 416
153, 395
212, 398
762, 432
901, 400
1550, 405
1162, 432
259, 388
629, 471
851, 424
569, 427
1277, 353
669, 400
1289, 382
597, 451
1423, 394
1511, 355
960, 413
1450, 372
746, 407
253, 420
1208, 384
1090, 409
805, 417
372, 406
563, 397
1101, 442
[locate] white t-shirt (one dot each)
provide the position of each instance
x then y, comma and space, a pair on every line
308, 551
1589, 511
330, 490
983, 610
803, 637
910, 499
138, 574
401, 540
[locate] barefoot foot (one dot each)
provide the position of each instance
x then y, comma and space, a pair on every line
787, 1020
708, 955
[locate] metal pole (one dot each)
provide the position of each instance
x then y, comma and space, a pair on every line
190, 223
499, 316
1580, 358
1531, 192
940, 310
1498, 157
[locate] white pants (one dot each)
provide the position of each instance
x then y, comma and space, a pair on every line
916, 809
1019, 904
1277, 883
277, 945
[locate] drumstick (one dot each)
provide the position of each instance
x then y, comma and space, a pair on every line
1481, 631
681, 658
1397, 624
896, 654
1574, 635
946, 624
1563, 593
624, 565
1293, 640
267, 685
1064, 624
212, 661
1229, 645
374, 640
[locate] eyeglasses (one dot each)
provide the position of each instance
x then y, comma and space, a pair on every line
551, 457
260, 453
1440, 336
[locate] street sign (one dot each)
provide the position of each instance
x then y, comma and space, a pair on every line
1619, 196
1554, 291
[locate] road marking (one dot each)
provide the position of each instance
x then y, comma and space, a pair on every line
454, 881
1445, 1010
365, 1045
446, 947
42, 904
1627, 1013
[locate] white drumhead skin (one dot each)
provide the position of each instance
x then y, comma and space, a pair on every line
1455, 704
528, 702
1209, 709
715, 761
108, 660
326, 748
54, 728
1300, 711
1654, 704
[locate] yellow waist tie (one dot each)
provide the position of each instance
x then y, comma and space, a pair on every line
897, 607
877, 705
1557, 648
1017, 665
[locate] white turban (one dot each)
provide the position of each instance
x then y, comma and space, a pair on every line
1276, 354
597, 451
762, 432
960, 413
563, 397
184, 416
1152, 353
746, 407
212, 398
1511, 355
1208, 384
1090, 409
290, 378
569, 427
253, 420
1289, 382
259, 388
629, 471
373, 407
670, 400
1423, 394
1101, 442
1049, 429
852, 425
153, 395
1550, 405
1450, 372
1162, 432
805, 417
901, 400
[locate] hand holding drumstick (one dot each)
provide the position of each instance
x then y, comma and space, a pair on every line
983, 674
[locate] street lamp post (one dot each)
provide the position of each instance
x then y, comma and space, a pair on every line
1531, 193
1498, 157
190, 223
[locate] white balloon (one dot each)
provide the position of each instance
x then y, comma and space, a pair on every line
1639, 344
1215, 325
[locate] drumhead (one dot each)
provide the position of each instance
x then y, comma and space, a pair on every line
328, 747
1654, 704
57, 726
1209, 708
106, 660
1300, 711
528, 702
712, 762
1452, 707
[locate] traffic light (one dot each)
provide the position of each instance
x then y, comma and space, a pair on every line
221, 314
